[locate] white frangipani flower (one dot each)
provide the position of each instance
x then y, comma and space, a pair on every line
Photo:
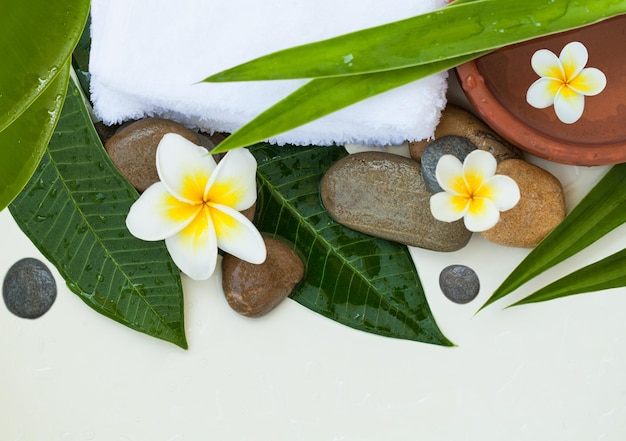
564, 82
472, 191
196, 206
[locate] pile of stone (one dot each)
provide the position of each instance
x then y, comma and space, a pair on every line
387, 195
378, 193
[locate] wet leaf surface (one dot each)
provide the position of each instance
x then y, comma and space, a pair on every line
360, 281
74, 210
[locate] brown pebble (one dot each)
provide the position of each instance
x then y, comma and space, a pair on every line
254, 290
250, 212
459, 122
540, 209
133, 148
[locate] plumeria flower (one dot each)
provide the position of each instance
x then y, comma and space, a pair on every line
196, 206
564, 82
472, 191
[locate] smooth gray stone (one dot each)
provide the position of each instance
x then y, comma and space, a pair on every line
384, 195
29, 289
448, 145
459, 283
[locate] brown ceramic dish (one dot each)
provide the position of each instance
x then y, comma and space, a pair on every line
496, 85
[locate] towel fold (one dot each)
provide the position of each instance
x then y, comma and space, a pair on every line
149, 56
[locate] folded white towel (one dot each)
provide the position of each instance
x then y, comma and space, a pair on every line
148, 57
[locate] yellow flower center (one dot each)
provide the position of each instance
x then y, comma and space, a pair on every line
471, 192
202, 207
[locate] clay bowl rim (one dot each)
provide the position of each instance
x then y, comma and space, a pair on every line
526, 137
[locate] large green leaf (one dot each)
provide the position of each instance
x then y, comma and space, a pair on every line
323, 96
458, 30
363, 282
36, 40
23, 142
607, 273
601, 210
74, 210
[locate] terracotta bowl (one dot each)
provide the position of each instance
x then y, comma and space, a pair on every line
496, 86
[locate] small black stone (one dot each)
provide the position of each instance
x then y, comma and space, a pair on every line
459, 283
457, 146
29, 289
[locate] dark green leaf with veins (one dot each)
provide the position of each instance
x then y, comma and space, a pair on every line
74, 210
360, 281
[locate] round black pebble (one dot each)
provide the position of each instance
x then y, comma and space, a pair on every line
459, 283
29, 289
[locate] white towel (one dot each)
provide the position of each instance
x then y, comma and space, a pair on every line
149, 56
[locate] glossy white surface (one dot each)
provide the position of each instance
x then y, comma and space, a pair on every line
551, 371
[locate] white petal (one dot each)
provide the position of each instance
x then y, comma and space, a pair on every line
184, 167
482, 219
569, 105
542, 92
589, 82
157, 214
236, 235
445, 208
505, 192
573, 58
546, 64
194, 249
481, 164
449, 174
233, 183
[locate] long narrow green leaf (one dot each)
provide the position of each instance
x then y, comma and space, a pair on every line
366, 283
24, 141
36, 40
454, 31
601, 211
74, 210
323, 96
607, 273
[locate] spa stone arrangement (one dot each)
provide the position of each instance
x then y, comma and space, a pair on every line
378, 193
301, 216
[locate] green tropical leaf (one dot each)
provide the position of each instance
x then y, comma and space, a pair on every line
607, 273
366, 283
601, 210
36, 40
74, 210
80, 58
458, 30
24, 141
323, 96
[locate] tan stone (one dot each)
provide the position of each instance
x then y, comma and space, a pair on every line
459, 122
540, 209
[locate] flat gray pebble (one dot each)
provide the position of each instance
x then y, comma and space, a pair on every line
383, 195
29, 289
459, 283
457, 146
